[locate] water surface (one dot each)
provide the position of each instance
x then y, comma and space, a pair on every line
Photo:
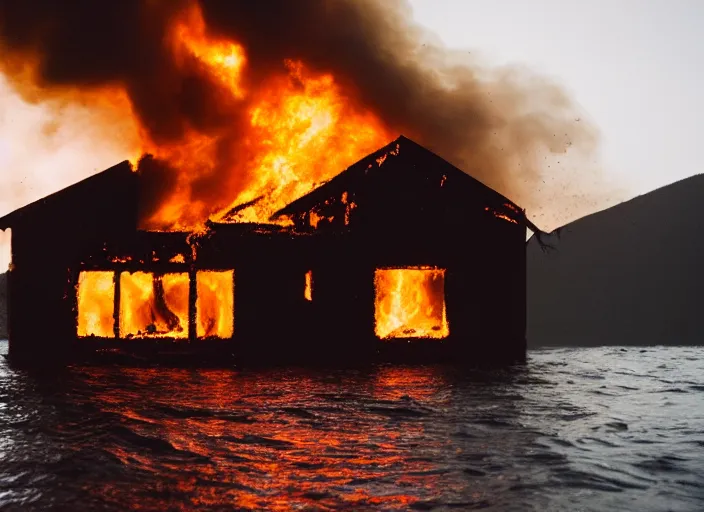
574, 429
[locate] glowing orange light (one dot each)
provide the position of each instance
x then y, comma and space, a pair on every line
153, 306
96, 296
301, 128
215, 301
410, 303
308, 291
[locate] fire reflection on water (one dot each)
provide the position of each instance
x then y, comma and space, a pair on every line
278, 440
534, 437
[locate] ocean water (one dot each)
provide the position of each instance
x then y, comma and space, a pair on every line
573, 429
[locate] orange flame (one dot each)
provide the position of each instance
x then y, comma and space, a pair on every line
349, 206
301, 128
315, 219
153, 306
121, 259
410, 303
308, 291
96, 295
224, 59
215, 295
502, 216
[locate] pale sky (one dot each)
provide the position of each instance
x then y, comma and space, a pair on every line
636, 67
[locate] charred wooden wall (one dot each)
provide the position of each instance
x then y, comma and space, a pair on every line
410, 209
484, 287
484, 258
49, 240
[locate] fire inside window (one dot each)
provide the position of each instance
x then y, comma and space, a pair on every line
155, 306
308, 290
96, 299
215, 304
410, 303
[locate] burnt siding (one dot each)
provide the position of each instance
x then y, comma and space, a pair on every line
485, 290
48, 246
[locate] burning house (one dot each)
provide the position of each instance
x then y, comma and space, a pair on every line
400, 256
237, 237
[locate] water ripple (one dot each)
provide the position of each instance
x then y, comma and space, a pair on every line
587, 429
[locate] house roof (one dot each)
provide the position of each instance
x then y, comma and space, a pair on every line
99, 184
393, 157
404, 157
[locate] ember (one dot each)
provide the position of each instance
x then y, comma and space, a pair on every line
502, 216
153, 305
410, 303
316, 219
96, 293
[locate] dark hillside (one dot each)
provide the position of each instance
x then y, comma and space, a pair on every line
631, 274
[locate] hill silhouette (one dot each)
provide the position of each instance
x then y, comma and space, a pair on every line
632, 274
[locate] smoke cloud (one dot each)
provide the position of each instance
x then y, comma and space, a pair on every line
499, 125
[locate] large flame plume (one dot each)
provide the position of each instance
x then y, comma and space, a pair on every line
296, 128
239, 100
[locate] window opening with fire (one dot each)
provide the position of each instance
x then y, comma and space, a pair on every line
308, 290
96, 303
154, 306
410, 303
215, 304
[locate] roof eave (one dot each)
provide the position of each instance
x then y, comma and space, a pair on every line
13, 217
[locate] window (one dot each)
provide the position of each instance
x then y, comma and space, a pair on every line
215, 301
308, 290
410, 303
154, 305
96, 303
